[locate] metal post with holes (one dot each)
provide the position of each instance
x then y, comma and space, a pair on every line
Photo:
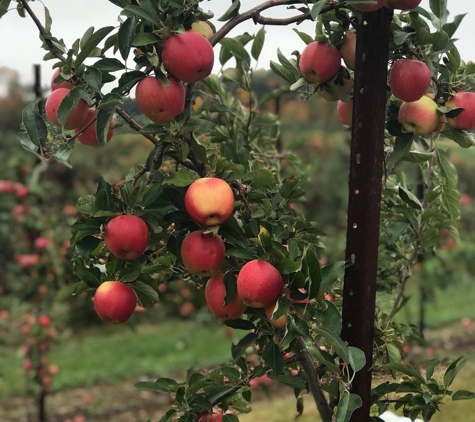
366, 172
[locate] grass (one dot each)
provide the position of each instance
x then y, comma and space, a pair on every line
116, 354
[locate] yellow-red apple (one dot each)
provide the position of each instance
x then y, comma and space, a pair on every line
409, 79
345, 112
202, 254
319, 62
466, 119
341, 83
41, 243
419, 117
76, 117
403, 4
279, 322
189, 57
209, 201
114, 301
215, 292
259, 284
202, 28
63, 84
160, 102
126, 236
348, 49
369, 7
89, 136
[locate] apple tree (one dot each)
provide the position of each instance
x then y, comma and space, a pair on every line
212, 201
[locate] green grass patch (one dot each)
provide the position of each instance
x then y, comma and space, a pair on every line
116, 353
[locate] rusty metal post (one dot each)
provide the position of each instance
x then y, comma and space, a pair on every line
366, 172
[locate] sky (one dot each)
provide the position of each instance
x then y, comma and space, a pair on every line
20, 46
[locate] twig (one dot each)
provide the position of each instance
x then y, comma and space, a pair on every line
314, 382
242, 194
263, 20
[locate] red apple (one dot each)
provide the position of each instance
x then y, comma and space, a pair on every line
420, 117
44, 321
409, 79
202, 28
89, 136
403, 4
214, 417
114, 301
41, 243
7, 186
345, 112
202, 254
319, 62
21, 191
466, 119
215, 292
27, 260
348, 49
189, 57
259, 284
209, 201
159, 102
369, 7
63, 84
279, 322
126, 236
76, 117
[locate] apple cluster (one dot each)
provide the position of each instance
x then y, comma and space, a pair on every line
82, 118
187, 57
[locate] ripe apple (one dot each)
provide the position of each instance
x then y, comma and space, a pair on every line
114, 301
7, 186
160, 102
44, 321
348, 49
62, 84
215, 292
420, 117
259, 284
202, 28
466, 119
403, 4
279, 322
202, 254
27, 260
89, 136
369, 7
41, 243
339, 84
21, 191
345, 112
189, 57
76, 117
126, 236
319, 62
214, 417
409, 79
209, 201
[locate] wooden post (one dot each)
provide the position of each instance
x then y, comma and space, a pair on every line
366, 172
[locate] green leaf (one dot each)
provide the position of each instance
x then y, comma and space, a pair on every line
409, 198
272, 355
62, 155
125, 36
146, 294
463, 138
335, 342
230, 418
450, 28
109, 65
231, 12
291, 381
263, 178
331, 318
152, 386
307, 39
463, 395
4, 5
93, 76
239, 324
431, 368
357, 358
438, 7
217, 393
287, 266
69, 103
237, 50
331, 274
314, 273
451, 201
230, 285
146, 11
408, 370
453, 369
347, 405
402, 146
317, 8
34, 124
447, 169
104, 118
258, 43
393, 353
180, 178
91, 44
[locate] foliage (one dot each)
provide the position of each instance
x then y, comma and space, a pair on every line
236, 141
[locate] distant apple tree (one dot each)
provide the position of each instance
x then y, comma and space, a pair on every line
199, 133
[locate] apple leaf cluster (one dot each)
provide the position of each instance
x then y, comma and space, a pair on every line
211, 133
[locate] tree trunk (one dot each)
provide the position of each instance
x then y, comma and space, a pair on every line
366, 172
